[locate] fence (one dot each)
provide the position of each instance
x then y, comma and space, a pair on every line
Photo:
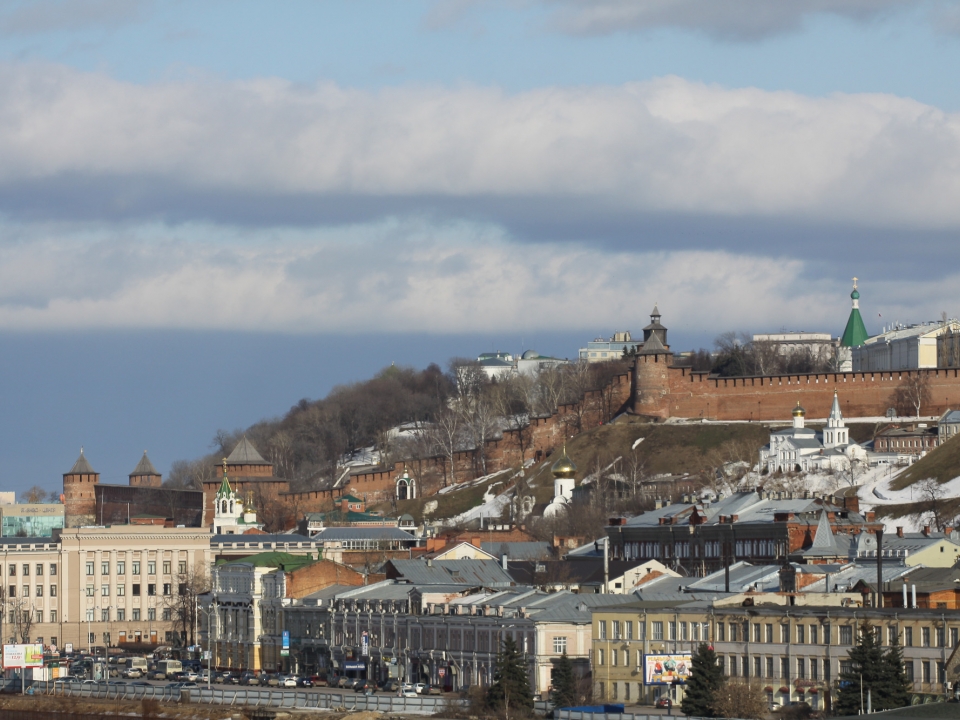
250, 696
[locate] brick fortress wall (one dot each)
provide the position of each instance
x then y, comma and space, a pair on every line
662, 391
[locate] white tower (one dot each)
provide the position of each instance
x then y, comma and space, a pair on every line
836, 433
798, 416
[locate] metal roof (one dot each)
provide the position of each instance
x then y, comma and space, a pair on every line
482, 573
245, 454
335, 534
518, 550
81, 466
144, 467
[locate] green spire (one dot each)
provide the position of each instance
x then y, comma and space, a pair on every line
225, 488
855, 334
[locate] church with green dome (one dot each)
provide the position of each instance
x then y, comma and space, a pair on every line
854, 334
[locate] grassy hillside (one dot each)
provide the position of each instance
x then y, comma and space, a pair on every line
941, 464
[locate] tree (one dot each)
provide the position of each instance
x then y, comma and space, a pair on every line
183, 605
564, 683
706, 678
21, 613
872, 669
36, 494
740, 699
911, 394
510, 691
934, 505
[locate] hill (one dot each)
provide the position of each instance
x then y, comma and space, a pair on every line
941, 464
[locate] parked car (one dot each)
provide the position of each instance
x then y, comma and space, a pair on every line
344, 682
664, 702
248, 679
390, 686
133, 673
362, 685
407, 692
319, 680
190, 675
288, 681
273, 680
157, 675
431, 690
304, 682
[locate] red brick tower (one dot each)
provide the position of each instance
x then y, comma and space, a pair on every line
651, 382
145, 474
79, 494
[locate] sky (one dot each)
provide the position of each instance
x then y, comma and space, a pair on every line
212, 209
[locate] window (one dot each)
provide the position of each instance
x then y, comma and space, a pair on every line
733, 632
121, 567
53, 568
769, 667
602, 629
559, 645
908, 667
26, 569
166, 567
135, 588
25, 591
826, 670
626, 658
13, 571
814, 669
151, 589
616, 630
720, 627
91, 638
892, 635
89, 569
629, 625
657, 629
614, 655
39, 617
758, 666
745, 663
800, 635
151, 568
166, 588
599, 656
925, 669
121, 614
12, 592
89, 614
104, 591
39, 568
846, 635
136, 567
908, 636
757, 632
801, 669
683, 632
769, 631
814, 631
672, 628
925, 638
722, 664
941, 636
39, 590
941, 670
784, 634
954, 637
152, 614
105, 615
105, 568
136, 615
826, 633
694, 631
733, 666
53, 591
121, 590
785, 668
182, 567
53, 619
167, 615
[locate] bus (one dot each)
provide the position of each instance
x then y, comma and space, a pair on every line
169, 667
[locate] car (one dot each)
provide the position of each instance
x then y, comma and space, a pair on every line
319, 680
190, 675
418, 688
362, 686
188, 685
249, 679
273, 680
664, 702
345, 682
157, 675
304, 682
432, 690
91, 682
289, 681
133, 673
390, 686
141, 683
407, 692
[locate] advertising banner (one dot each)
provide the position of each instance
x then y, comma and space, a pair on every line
666, 669
22, 656
354, 665
365, 644
285, 647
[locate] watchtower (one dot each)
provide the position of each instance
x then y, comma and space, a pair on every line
145, 474
80, 494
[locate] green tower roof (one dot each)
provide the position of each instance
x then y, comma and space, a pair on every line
855, 333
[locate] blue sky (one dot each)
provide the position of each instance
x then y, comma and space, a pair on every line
209, 210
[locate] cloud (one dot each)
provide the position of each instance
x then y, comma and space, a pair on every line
34, 17
413, 276
81, 145
725, 19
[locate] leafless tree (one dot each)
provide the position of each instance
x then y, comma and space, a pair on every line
183, 605
21, 617
740, 699
447, 428
912, 394
934, 506
36, 494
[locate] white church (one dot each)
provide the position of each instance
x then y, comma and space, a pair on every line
802, 449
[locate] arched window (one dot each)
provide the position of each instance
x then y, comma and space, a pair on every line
231, 506
223, 507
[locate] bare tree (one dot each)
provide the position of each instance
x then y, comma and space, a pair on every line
446, 435
912, 394
740, 699
21, 617
934, 506
183, 605
36, 494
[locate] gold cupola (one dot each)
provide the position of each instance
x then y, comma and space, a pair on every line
563, 467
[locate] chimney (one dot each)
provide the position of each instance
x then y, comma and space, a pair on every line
948, 531
475, 541
926, 530
900, 531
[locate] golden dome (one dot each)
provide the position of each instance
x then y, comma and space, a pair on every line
563, 467
799, 411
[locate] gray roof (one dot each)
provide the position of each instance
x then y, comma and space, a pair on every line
334, 534
743, 577
518, 550
951, 416
144, 467
281, 538
825, 542
245, 454
653, 346
481, 573
851, 574
82, 467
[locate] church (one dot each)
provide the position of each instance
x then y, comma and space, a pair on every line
802, 449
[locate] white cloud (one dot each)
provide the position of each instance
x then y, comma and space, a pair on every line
409, 276
663, 146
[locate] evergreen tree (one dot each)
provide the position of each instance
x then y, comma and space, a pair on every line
706, 678
510, 691
896, 688
874, 670
564, 684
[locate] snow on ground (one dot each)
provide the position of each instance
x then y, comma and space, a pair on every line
492, 507
472, 483
875, 492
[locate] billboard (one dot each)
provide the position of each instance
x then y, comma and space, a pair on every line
365, 644
285, 647
22, 656
666, 669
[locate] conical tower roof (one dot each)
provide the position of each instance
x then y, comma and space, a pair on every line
653, 346
82, 467
855, 333
245, 454
225, 489
144, 467
835, 413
